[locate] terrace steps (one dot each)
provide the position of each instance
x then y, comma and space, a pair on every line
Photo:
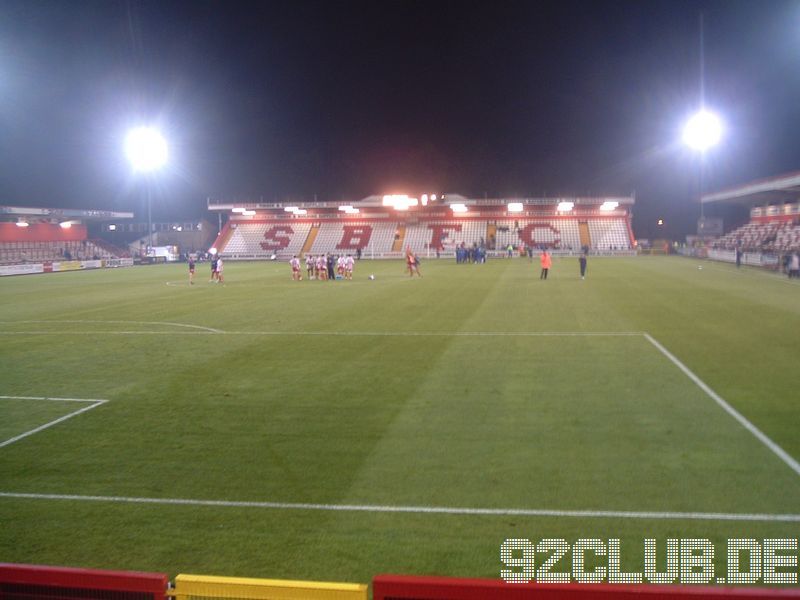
583, 231
312, 235
399, 238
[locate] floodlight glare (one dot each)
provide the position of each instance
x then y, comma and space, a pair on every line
514, 207
22, 223
65, 224
702, 131
565, 206
458, 208
146, 149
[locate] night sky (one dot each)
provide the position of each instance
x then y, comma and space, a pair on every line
285, 100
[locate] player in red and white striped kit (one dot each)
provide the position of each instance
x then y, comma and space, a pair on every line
296, 275
349, 262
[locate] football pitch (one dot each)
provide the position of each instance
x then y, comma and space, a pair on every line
336, 430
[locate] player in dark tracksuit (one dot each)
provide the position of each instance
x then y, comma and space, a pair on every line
582, 262
191, 269
331, 270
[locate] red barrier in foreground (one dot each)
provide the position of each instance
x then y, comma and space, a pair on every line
35, 582
397, 587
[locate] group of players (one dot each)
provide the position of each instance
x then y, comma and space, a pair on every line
216, 269
323, 267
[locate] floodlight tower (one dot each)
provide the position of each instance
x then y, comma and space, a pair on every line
147, 152
704, 129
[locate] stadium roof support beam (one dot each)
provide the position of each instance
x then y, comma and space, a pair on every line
780, 188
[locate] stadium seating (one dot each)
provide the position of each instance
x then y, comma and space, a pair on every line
263, 239
20, 252
346, 237
609, 234
561, 233
775, 236
421, 235
285, 238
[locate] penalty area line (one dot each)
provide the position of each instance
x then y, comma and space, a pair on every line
743, 421
209, 330
437, 510
75, 413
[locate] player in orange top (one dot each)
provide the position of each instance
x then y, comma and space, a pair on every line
546, 261
410, 261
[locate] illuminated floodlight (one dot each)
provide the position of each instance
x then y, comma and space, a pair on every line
146, 149
290, 208
399, 201
660, 222
609, 205
248, 213
433, 197
301, 211
22, 223
346, 208
702, 131
424, 199
238, 210
351, 210
112, 227
514, 207
65, 224
565, 206
459, 208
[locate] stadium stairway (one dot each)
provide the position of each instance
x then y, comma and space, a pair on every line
491, 235
223, 237
399, 239
583, 230
312, 235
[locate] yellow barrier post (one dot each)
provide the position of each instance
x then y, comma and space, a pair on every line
201, 587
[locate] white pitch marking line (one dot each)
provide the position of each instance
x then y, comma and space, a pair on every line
208, 330
438, 333
95, 404
447, 510
743, 421
52, 398
80, 321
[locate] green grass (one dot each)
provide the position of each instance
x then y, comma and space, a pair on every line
260, 413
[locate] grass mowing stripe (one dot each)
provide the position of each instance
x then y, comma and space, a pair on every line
446, 510
761, 436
